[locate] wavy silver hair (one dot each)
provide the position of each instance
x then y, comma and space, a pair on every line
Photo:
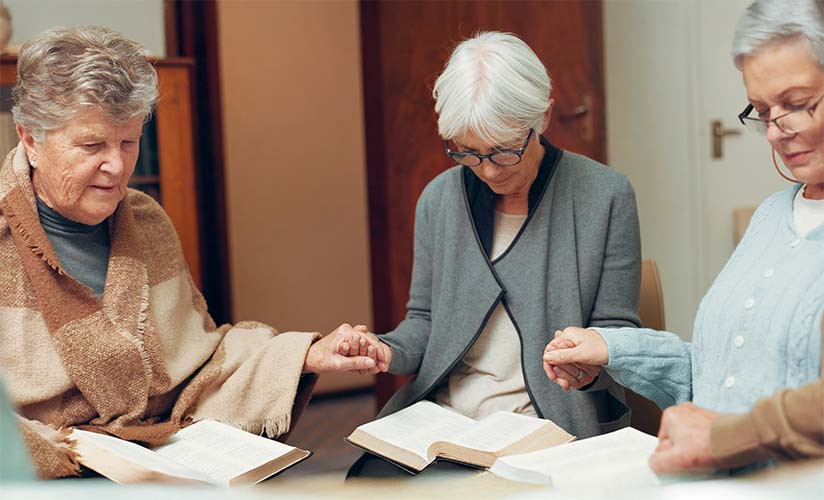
494, 87
63, 70
769, 21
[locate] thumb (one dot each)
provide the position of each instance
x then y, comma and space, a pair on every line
564, 356
355, 363
664, 461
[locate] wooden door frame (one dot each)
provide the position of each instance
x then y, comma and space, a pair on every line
191, 30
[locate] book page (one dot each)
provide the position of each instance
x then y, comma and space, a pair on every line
96, 452
597, 463
220, 451
416, 427
497, 431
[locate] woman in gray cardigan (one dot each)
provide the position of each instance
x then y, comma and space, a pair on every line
516, 241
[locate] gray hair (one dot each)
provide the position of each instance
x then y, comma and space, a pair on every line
62, 70
769, 21
494, 87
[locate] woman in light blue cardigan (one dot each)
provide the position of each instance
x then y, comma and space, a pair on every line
757, 330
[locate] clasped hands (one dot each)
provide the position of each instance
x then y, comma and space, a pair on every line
574, 358
348, 348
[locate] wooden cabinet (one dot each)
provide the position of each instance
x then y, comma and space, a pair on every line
166, 169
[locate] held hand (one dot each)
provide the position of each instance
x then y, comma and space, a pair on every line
684, 440
359, 342
570, 376
356, 344
324, 355
587, 347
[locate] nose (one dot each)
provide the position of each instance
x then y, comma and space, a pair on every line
114, 164
490, 170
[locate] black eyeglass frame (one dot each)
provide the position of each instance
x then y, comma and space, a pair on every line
491, 156
743, 116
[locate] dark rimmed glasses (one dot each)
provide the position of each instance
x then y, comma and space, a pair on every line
791, 122
501, 157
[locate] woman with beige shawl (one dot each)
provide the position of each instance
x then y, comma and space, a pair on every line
101, 326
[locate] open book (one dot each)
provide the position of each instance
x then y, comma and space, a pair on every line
415, 436
207, 451
596, 464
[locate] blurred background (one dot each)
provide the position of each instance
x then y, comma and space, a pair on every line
293, 138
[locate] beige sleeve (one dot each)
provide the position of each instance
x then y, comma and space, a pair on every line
51, 450
788, 425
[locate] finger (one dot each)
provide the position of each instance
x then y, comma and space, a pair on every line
343, 329
558, 333
663, 445
568, 373
590, 371
562, 356
381, 348
665, 462
354, 363
361, 328
343, 348
550, 373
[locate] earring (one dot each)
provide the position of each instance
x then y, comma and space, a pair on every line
33, 162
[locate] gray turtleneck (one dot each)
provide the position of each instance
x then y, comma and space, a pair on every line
82, 250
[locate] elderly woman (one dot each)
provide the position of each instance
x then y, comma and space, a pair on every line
507, 251
758, 331
100, 324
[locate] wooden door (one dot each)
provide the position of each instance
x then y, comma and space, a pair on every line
405, 45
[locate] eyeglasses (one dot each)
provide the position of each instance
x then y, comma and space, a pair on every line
792, 122
502, 157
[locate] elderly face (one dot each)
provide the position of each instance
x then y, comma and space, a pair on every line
781, 78
82, 169
509, 180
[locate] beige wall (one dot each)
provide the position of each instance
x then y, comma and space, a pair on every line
295, 168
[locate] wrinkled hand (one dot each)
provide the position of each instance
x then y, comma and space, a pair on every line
572, 375
323, 355
684, 440
588, 347
360, 342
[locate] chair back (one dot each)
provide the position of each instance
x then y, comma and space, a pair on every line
646, 416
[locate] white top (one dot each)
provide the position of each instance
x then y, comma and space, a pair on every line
807, 214
490, 377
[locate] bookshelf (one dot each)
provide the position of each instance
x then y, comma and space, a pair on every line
165, 168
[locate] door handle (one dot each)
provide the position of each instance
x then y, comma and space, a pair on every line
718, 135
582, 112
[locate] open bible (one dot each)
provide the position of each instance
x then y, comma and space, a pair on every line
207, 451
416, 436
594, 464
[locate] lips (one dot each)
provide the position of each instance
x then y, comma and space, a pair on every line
796, 157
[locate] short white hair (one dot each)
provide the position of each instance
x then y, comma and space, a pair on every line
493, 87
769, 21
63, 70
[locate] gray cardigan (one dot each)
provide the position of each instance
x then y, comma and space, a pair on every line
576, 261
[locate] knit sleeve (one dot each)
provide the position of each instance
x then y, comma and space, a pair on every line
652, 363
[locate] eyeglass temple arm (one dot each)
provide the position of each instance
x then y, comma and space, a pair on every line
744, 113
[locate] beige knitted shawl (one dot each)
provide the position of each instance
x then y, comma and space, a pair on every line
141, 362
